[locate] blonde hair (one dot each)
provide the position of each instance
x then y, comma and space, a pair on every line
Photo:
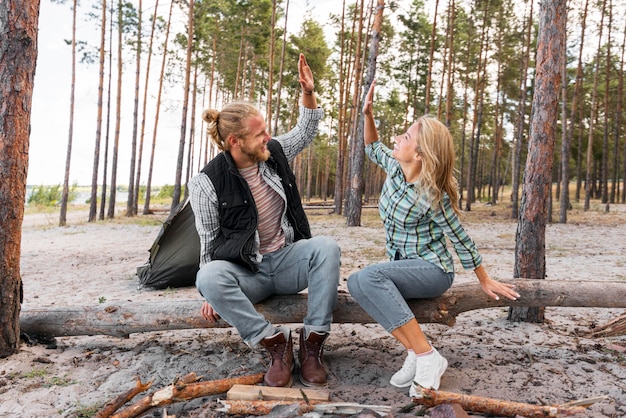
436, 147
230, 120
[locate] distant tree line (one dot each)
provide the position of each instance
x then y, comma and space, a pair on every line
469, 62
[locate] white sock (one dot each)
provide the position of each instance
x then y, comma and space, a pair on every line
425, 353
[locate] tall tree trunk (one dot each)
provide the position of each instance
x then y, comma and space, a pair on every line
118, 113
607, 113
466, 83
309, 173
105, 162
592, 117
270, 76
280, 72
578, 96
240, 62
565, 144
68, 156
143, 110
192, 126
355, 183
618, 124
521, 117
530, 238
477, 118
451, 66
497, 147
146, 206
429, 75
131, 209
183, 125
341, 137
96, 155
18, 59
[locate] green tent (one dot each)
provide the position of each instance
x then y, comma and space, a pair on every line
175, 254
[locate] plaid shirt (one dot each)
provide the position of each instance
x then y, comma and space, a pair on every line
414, 228
203, 197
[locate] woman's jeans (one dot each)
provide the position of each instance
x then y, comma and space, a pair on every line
232, 290
382, 289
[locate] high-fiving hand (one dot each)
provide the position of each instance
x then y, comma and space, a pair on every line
305, 76
368, 105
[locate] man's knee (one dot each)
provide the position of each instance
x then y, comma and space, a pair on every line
211, 276
328, 247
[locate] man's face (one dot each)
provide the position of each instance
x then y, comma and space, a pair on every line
253, 145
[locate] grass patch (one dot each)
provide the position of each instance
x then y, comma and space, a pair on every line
85, 411
34, 373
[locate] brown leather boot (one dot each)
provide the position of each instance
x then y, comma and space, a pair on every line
312, 371
281, 363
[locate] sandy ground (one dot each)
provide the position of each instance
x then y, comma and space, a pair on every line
86, 264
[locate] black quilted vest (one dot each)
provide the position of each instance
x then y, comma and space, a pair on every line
238, 214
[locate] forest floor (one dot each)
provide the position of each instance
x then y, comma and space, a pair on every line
90, 263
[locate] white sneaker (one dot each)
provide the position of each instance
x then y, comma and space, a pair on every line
428, 372
404, 377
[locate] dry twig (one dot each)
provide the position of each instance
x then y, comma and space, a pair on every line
121, 399
429, 397
185, 389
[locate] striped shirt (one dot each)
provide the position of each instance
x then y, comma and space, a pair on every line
413, 227
203, 197
270, 208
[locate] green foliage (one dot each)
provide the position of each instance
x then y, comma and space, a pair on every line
50, 195
166, 191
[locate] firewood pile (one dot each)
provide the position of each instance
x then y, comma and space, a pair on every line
244, 397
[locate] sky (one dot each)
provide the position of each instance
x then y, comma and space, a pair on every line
51, 102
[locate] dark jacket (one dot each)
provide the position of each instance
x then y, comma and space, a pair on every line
238, 214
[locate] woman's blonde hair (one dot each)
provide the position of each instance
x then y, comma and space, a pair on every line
436, 147
230, 120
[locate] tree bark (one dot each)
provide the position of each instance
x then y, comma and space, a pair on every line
93, 204
131, 208
531, 231
144, 106
18, 59
589, 182
118, 112
357, 149
70, 136
146, 206
125, 318
429, 74
183, 126
521, 116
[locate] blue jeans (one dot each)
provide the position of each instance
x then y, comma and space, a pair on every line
233, 290
382, 289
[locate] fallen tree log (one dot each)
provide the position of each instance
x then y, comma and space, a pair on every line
124, 318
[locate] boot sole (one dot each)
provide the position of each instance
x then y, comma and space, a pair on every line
312, 384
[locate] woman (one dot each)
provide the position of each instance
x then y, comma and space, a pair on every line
419, 208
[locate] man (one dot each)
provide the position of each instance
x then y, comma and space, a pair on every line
255, 237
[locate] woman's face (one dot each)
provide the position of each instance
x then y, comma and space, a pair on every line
405, 145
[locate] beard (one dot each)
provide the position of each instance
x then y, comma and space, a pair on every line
256, 154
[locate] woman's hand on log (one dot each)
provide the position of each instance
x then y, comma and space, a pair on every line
493, 288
